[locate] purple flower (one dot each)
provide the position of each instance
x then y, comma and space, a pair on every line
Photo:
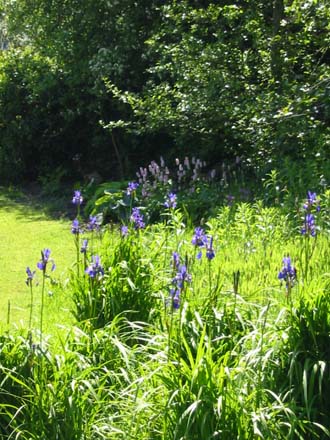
75, 228
311, 201
182, 276
42, 265
309, 225
132, 187
175, 297
176, 260
210, 254
288, 272
93, 224
137, 219
124, 231
84, 246
95, 269
178, 282
170, 201
30, 276
77, 198
199, 238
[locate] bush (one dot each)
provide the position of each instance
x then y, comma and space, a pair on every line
45, 122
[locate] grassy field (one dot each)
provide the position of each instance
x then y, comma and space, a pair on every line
26, 229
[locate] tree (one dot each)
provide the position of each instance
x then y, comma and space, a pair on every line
85, 42
238, 78
221, 79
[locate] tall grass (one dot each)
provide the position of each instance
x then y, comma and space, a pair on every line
178, 347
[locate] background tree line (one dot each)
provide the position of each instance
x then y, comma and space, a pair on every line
111, 84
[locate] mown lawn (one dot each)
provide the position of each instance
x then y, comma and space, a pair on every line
25, 230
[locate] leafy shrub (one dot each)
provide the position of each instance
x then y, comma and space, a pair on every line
107, 198
197, 192
45, 121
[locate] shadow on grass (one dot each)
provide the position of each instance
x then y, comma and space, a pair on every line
31, 204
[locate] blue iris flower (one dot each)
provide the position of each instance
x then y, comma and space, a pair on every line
84, 246
309, 225
132, 187
45, 259
77, 198
75, 228
170, 201
95, 269
288, 272
137, 219
30, 276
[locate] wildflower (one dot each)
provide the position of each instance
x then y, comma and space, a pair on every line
145, 193
84, 246
199, 238
77, 198
288, 272
75, 228
176, 260
182, 276
210, 254
95, 267
199, 255
137, 219
175, 296
30, 276
132, 187
311, 201
170, 201
42, 264
93, 224
124, 231
309, 225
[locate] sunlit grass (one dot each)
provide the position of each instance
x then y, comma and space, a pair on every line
242, 355
24, 232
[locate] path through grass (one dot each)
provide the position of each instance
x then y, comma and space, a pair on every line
26, 229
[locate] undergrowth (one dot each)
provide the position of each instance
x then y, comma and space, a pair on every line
214, 332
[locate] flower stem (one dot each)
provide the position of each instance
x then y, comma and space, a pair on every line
31, 306
42, 306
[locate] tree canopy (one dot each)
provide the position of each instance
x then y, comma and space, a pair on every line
119, 81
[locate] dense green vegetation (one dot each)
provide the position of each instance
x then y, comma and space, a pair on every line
105, 87
192, 299
219, 331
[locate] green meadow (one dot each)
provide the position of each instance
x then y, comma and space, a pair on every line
25, 230
167, 330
